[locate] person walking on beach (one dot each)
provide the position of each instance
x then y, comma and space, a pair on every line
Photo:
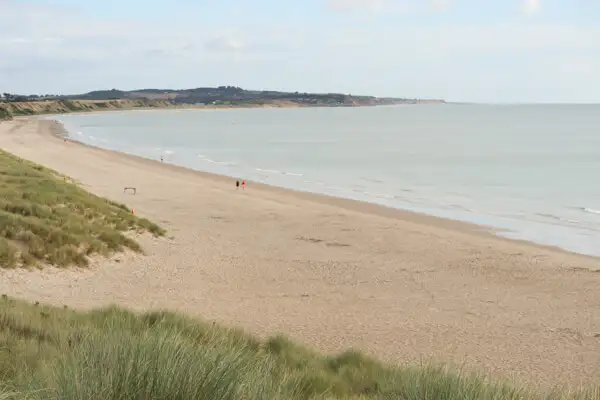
237, 184
243, 185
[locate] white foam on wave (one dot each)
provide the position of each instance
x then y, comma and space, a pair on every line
274, 171
366, 193
228, 163
551, 216
557, 218
372, 180
458, 207
270, 171
591, 210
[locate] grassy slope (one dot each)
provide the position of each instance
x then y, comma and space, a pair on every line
45, 218
4, 114
55, 353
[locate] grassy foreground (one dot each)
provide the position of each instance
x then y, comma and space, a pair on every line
57, 353
45, 218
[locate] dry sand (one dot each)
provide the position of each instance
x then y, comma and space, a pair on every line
329, 272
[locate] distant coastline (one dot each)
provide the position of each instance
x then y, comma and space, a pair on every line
13, 105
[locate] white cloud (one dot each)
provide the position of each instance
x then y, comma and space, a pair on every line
585, 65
226, 44
531, 6
397, 6
351, 5
62, 50
478, 39
440, 5
31, 33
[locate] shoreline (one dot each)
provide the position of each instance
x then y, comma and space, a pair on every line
57, 129
349, 203
330, 272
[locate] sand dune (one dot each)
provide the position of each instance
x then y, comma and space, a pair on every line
329, 272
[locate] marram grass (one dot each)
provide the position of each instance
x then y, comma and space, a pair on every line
47, 219
114, 354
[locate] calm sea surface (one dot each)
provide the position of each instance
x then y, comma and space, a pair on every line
533, 171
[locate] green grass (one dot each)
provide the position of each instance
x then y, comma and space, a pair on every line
47, 219
57, 353
22, 112
4, 115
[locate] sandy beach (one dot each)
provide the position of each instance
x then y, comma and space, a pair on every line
328, 272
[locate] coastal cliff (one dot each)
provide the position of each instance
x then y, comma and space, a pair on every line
12, 105
8, 110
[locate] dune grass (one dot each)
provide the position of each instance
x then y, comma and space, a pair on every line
47, 219
57, 353
4, 115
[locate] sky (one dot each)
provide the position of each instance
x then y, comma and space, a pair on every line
492, 51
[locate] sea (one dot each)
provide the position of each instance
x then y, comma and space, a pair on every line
529, 172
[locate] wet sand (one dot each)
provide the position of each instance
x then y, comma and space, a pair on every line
331, 273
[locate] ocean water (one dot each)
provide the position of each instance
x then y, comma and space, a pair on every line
532, 171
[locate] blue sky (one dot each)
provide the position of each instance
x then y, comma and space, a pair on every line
459, 50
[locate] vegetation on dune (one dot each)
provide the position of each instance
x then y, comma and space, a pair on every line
45, 218
4, 114
56, 353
